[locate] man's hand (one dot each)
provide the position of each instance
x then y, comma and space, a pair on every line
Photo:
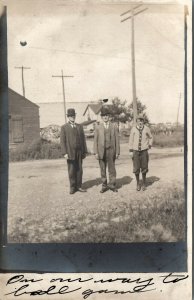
66, 156
131, 154
117, 156
96, 156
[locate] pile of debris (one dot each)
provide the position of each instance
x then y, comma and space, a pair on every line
51, 133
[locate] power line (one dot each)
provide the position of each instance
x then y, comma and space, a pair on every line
133, 14
63, 88
23, 68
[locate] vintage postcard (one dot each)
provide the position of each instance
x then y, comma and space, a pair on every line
96, 149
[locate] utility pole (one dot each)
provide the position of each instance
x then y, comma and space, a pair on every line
63, 88
23, 68
133, 14
178, 111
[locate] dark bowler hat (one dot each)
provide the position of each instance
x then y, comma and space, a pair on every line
105, 111
71, 112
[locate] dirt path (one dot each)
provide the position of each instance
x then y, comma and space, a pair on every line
39, 191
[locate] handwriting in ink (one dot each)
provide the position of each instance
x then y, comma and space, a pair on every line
20, 278
70, 280
138, 285
171, 278
50, 291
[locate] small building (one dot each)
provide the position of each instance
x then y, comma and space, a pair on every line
24, 124
92, 111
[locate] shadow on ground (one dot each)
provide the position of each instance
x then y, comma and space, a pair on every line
150, 180
90, 183
123, 181
95, 182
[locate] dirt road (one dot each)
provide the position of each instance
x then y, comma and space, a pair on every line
39, 193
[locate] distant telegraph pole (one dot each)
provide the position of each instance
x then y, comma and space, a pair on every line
23, 68
63, 87
133, 13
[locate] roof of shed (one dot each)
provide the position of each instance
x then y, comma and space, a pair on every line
12, 93
96, 107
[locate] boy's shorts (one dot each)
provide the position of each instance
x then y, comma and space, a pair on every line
140, 161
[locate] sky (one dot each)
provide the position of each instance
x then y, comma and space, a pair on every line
89, 42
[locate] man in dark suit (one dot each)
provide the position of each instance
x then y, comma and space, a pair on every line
73, 146
107, 149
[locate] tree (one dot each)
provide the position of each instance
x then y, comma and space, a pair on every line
140, 110
120, 112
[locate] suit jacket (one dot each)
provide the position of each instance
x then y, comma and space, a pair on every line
99, 145
68, 145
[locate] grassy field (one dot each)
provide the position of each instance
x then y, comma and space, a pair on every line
40, 208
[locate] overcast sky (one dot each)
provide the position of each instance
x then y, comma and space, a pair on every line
90, 43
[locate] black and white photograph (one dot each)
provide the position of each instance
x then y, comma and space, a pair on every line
97, 122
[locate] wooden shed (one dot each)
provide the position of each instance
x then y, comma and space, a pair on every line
24, 123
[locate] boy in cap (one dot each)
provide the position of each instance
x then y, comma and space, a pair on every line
139, 142
73, 146
107, 149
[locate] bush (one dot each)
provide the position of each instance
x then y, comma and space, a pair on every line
37, 149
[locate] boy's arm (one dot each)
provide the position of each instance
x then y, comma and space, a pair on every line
150, 137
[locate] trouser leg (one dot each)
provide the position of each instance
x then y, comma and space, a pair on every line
102, 163
111, 168
144, 161
72, 173
144, 181
137, 180
136, 162
79, 170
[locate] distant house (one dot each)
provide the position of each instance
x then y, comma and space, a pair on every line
24, 125
92, 111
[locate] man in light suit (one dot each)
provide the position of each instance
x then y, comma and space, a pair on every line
73, 146
107, 149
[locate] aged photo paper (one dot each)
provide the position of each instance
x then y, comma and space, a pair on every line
96, 149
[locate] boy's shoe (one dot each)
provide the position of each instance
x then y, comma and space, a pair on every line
138, 187
143, 187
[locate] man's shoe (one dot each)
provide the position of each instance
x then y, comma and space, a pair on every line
138, 187
72, 192
104, 189
81, 190
113, 189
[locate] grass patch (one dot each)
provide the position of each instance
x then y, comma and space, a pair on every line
155, 217
38, 149
174, 140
